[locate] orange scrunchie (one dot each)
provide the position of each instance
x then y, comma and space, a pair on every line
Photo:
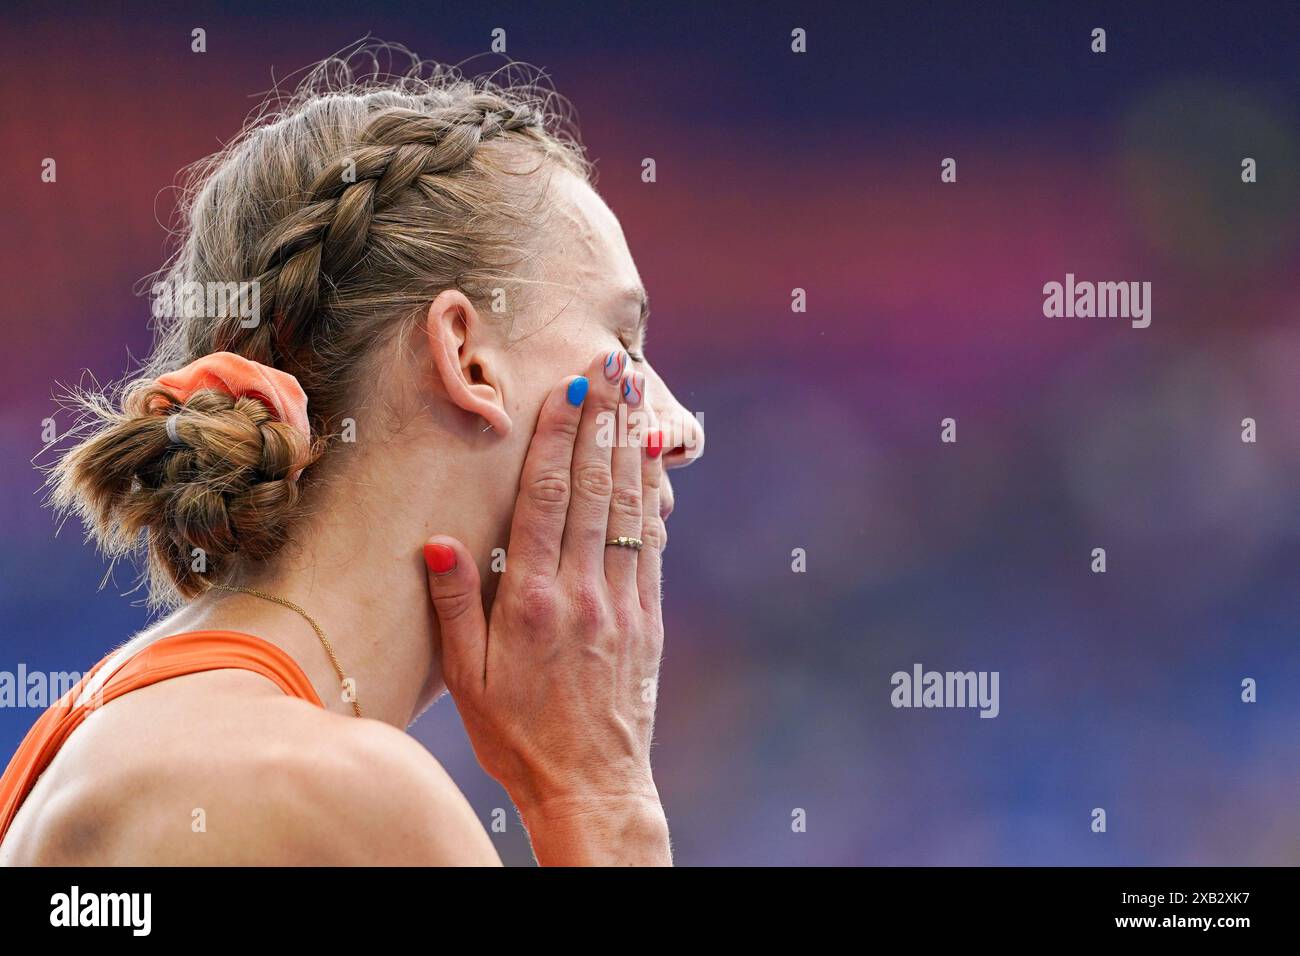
237, 377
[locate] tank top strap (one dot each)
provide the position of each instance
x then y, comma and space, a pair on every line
189, 653
196, 651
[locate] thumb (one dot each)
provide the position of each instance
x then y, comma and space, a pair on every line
454, 587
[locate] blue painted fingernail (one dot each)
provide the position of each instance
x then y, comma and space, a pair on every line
577, 390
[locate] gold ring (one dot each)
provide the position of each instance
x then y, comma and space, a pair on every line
623, 541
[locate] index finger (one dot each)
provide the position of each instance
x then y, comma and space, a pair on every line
544, 486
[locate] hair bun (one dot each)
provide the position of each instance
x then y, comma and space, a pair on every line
226, 489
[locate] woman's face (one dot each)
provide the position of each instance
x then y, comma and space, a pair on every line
590, 301
585, 301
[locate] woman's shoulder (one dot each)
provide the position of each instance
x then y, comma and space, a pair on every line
197, 770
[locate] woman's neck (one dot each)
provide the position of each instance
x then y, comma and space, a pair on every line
381, 636
355, 566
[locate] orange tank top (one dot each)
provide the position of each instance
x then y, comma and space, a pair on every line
168, 657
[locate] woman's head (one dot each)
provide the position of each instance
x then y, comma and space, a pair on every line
426, 256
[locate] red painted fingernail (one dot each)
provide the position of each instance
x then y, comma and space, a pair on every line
440, 558
656, 445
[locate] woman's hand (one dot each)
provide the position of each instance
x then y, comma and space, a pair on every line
558, 691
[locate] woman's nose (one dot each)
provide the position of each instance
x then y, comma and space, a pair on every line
683, 436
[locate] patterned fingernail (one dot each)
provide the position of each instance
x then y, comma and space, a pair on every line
655, 444
615, 363
577, 390
634, 389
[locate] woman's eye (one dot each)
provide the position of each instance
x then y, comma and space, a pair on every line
636, 357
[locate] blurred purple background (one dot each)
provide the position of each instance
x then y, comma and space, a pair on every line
821, 171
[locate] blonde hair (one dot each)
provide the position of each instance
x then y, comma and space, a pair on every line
351, 206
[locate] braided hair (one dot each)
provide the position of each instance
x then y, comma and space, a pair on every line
348, 211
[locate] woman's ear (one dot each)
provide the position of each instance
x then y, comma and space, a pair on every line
465, 360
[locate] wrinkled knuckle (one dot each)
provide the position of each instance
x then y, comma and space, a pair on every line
653, 533
536, 607
594, 480
604, 398
565, 426
587, 605
452, 607
626, 501
549, 492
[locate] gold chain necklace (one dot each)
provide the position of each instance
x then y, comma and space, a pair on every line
329, 648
